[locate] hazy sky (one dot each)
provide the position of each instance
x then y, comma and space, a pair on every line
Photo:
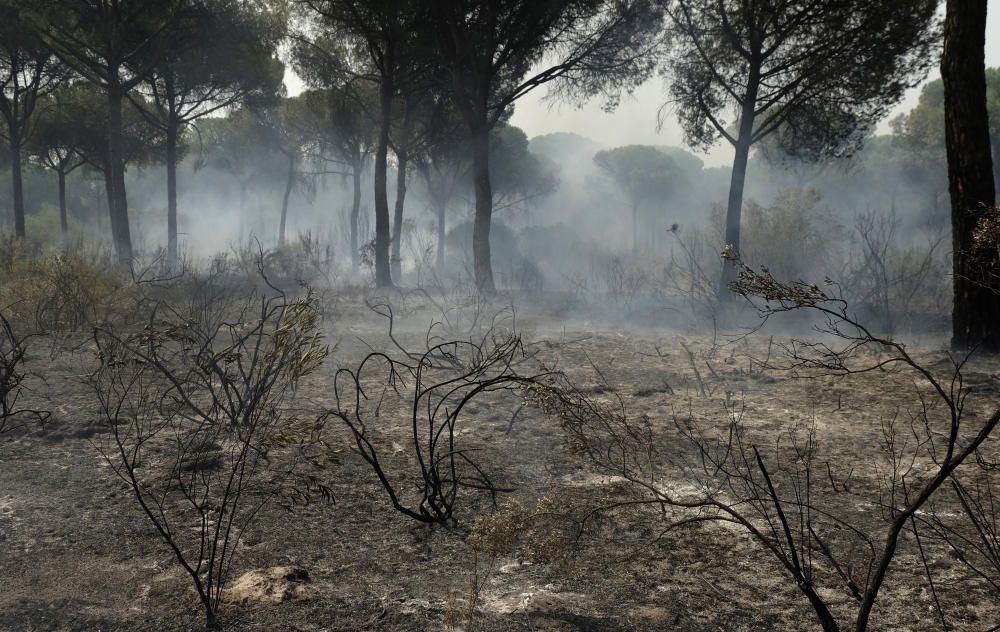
634, 122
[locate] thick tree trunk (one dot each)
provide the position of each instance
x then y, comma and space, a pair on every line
976, 310
734, 213
63, 217
996, 161
823, 613
355, 211
397, 219
383, 274
484, 206
289, 183
117, 200
107, 190
172, 132
734, 209
17, 184
211, 617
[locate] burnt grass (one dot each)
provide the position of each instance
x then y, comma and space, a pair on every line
77, 554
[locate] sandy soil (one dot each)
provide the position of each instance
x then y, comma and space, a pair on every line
76, 554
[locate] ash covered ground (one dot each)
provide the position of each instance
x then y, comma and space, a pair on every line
77, 554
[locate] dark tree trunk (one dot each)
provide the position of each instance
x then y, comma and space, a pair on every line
211, 617
117, 200
734, 212
107, 190
355, 211
397, 219
383, 274
63, 218
734, 209
819, 606
17, 184
289, 183
172, 132
996, 160
484, 205
976, 311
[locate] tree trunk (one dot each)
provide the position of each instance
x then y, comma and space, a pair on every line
822, 611
383, 274
734, 212
17, 183
172, 132
108, 194
355, 211
107, 191
117, 200
996, 160
63, 218
397, 219
211, 617
289, 183
733, 215
734, 209
484, 205
976, 309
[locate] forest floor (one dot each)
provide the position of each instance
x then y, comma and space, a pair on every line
77, 554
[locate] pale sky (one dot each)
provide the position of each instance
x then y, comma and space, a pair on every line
634, 121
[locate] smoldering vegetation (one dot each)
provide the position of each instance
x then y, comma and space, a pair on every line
596, 240
369, 357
